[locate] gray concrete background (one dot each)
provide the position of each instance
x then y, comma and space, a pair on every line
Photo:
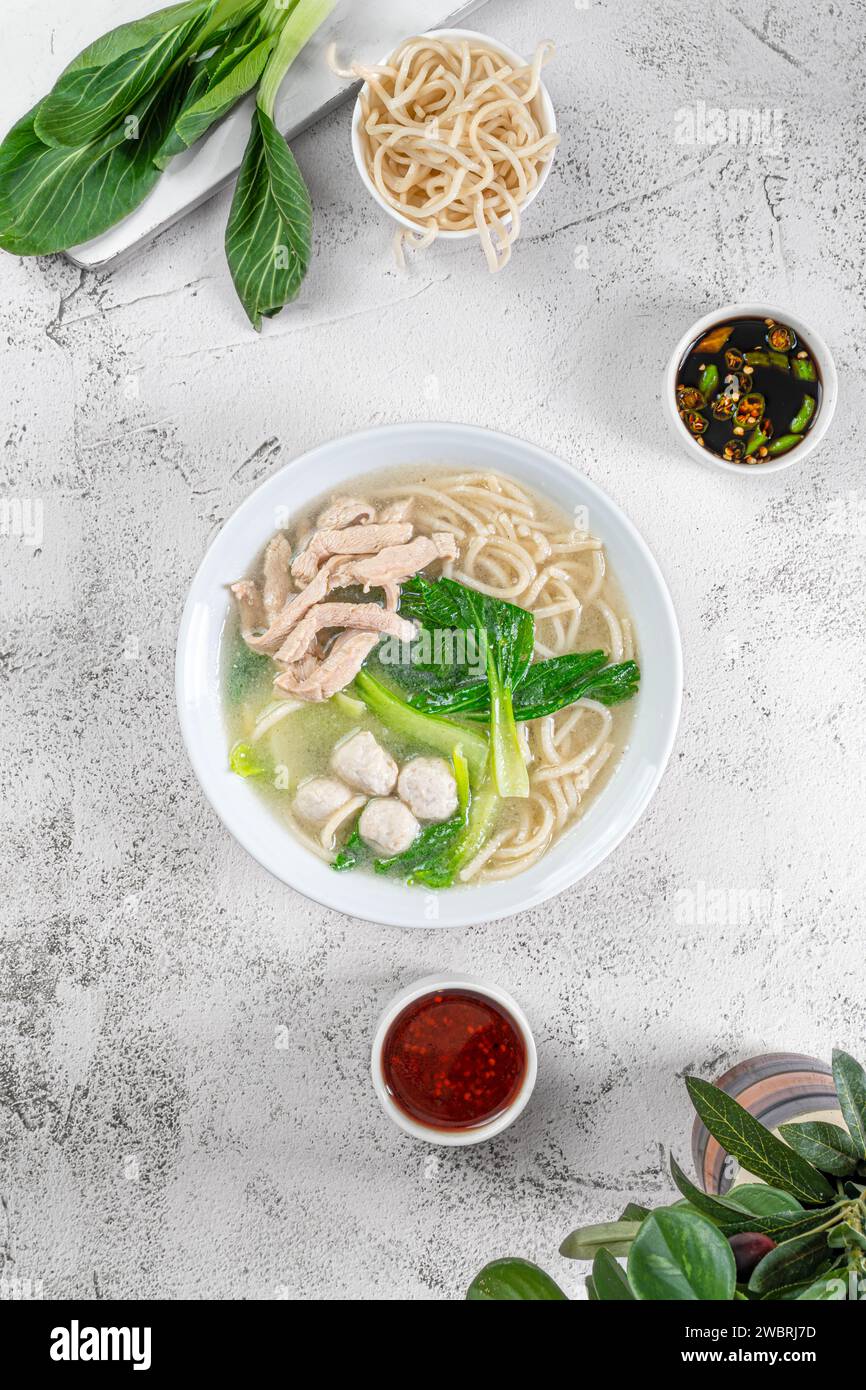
157, 1141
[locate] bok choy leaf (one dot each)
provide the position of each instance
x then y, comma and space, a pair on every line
504, 638
269, 232
89, 153
450, 685
87, 103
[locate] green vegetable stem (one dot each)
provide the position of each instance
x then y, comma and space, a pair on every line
416, 727
503, 636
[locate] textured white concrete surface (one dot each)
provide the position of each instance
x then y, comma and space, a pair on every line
157, 1139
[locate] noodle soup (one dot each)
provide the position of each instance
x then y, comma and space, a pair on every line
432, 678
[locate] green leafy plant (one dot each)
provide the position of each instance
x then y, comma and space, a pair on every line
800, 1233
89, 153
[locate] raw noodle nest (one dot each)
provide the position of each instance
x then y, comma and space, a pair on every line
453, 140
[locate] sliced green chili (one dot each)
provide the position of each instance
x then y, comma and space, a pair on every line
708, 380
768, 358
723, 407
733, 450
804, 369
759, 436
803, 416
689, 397
750, 409
734, 359
696, 422
783, 444
781, 337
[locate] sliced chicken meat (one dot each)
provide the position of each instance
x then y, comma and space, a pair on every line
343, 511
251, 609
339, 667
394, 564
277, 582
351, 540
387, 826
368, 617
364, 764
297, 606
391, 595
305, 666
397, 511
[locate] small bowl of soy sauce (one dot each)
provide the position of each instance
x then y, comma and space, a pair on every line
750, 389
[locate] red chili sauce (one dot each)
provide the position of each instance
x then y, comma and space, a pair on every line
453, 1060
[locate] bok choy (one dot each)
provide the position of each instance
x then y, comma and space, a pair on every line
91, 150
492, 678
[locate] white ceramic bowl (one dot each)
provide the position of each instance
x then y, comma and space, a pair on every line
461, 1137
338, 466
829, 387
542, 107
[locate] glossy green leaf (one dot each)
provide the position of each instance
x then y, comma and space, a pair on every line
634, 1212
829, 1147
87, 103
591, 1295
752, 1144
786, 1293
846, 1237
830, 1289
681, 1255
219, 85
514, 1280
722, 1211
268, 237
763, 1200
135, 34
610, 1280
752, 1207
790, 1263
785, 1225
586, 1241
850, 1080
19, 149
54, 198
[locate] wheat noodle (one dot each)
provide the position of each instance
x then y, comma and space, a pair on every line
453, 139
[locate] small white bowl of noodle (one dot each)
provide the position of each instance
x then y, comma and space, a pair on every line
454, 135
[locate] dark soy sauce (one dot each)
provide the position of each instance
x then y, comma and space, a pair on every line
752, 397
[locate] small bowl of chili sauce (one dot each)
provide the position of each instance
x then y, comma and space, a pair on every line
454, 1060
750, 389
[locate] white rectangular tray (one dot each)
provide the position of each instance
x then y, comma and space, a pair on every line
361, 29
